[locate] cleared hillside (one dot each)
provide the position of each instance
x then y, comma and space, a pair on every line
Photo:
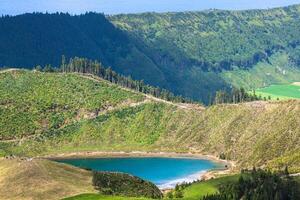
41, 179
256, 133
32, 102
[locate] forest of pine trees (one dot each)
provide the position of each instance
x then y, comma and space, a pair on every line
86, 66
235, 96
259, 185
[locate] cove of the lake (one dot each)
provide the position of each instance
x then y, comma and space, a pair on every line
164, 172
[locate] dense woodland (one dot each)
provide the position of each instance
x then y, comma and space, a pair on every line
235, 96
259, 184
186, 53
83, 65
217, 40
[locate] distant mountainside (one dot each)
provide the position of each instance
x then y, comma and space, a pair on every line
50, 113
38, 39
193, 54
217, 40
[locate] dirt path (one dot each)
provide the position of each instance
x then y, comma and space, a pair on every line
125, 104
296, 83
149, 97
8, 70
293, 175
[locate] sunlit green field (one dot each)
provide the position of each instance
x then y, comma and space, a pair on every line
101, 197
199, 190
291, 91
194, 192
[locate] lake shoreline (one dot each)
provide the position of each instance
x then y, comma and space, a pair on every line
121, 154
226, 167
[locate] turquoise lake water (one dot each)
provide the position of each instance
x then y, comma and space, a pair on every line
164, 172
14, 7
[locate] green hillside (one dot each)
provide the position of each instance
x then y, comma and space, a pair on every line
217, 39
242, 48
256, 133
36, 179
42, 179
193, 54
35, 39
33, 102
290, 91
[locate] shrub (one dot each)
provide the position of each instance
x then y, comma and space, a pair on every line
124, 184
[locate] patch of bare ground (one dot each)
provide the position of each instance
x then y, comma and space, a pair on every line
296, 83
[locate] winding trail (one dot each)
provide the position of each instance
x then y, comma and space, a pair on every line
125, 104
149, 97
9, 70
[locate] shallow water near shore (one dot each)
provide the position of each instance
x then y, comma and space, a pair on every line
164, 172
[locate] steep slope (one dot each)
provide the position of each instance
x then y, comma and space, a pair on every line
32, 102
41, 179
242, 48
38, 39
190, 53
257, 133
217, 39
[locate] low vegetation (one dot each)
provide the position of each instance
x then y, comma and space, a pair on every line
113, 183
42, 179
203, 188
253, 134
280, 92
32, 102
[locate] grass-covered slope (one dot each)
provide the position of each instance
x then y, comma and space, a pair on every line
193, 54
204, 188
32, 102
256, 133
277, 70
289, 91
36, 179
42, 179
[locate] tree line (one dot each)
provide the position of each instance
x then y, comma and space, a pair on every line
259, 185
236, 95
86, 66
94, 67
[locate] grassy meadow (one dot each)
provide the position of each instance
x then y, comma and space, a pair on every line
199, 190
281, 92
